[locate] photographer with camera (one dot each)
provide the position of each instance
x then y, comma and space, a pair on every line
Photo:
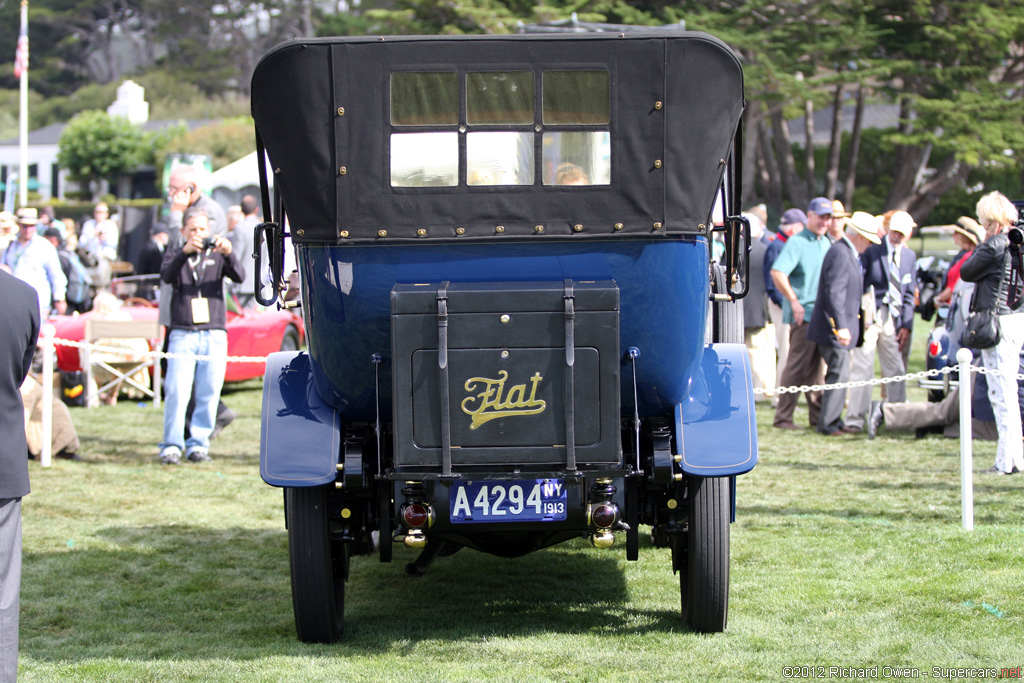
198, 320
997, 291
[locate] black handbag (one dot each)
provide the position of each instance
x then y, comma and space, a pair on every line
982, 330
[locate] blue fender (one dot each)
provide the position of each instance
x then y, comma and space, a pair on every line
300, 439
716, 423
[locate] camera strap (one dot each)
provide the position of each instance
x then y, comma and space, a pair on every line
194, 266
1014, 293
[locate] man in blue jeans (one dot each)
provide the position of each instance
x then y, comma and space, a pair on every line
196, 273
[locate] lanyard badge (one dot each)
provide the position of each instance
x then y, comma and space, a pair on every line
200, 310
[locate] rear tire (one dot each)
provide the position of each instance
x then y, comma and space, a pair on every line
704, 584
319, 566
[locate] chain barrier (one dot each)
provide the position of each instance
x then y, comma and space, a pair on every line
121, 351
804, 388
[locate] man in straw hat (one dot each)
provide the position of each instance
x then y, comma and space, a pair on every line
32, 259
837, 227
835, 322
889, 269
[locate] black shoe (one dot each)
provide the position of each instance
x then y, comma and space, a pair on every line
876, 418
223, 420
996, 470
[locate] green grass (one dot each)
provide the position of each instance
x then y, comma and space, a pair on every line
845, 552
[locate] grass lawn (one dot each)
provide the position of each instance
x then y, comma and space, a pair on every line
845, 552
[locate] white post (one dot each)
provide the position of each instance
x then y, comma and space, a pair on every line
23, 121
964, 357
47, 445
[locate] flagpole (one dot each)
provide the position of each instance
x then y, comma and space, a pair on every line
23, 180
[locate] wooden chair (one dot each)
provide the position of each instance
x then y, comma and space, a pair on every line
123, 371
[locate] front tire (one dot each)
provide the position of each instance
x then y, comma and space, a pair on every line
726, 316
319, 566
290, 339
704, 584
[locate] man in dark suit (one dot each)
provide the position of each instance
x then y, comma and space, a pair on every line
152, 255
890, 269
834, 324
19, 332
760, 345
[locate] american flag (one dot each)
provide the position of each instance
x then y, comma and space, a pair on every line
21, 57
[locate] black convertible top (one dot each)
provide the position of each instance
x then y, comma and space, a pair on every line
325, 110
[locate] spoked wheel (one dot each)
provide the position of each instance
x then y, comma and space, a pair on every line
319, 566
704, 581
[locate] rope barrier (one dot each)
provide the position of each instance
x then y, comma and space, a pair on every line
120, 351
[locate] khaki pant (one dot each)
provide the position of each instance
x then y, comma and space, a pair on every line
761, 349
880, 336
781, 340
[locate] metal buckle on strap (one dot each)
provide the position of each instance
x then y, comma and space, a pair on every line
442, 364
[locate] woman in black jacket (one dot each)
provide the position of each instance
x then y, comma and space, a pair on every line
989, 268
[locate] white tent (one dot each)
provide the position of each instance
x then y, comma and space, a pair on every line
238, 178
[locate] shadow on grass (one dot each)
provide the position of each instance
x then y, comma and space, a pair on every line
167, 592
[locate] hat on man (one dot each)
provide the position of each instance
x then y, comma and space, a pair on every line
820, 206
794, 216
53, 232
838, 210
7, 220
969, 228
902, 222
158, 229
865, 225
28, 215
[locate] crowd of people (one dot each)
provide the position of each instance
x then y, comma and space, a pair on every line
195, 252
840, 289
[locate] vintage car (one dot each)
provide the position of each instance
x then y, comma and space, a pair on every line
516, 334
251, 332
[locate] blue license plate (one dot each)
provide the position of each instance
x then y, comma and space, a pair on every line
524, 500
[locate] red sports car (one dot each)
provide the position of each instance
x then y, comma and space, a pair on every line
250, 333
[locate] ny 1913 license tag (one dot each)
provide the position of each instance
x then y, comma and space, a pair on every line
525, 500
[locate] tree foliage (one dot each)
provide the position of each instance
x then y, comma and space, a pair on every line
954, 68
95, 145
223, 141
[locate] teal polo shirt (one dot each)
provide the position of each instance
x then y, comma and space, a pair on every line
801, 260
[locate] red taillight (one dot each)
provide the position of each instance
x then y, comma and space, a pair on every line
934, 349
416, 515
604, 515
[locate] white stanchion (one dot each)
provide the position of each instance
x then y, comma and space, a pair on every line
963, 357
46, 453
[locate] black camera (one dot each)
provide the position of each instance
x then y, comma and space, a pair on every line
1016, 236
209, 243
